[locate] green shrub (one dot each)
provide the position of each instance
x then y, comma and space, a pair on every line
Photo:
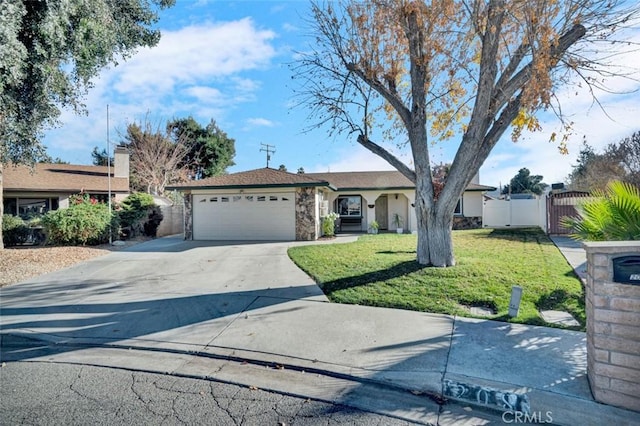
14, 230
329, 224
611, 215
84, 222
139, 215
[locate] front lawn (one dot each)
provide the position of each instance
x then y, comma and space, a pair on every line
381, 270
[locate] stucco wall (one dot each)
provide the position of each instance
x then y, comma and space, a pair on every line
172, 220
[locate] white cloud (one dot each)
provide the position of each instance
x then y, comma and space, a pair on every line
260, 122
205, 94
196, 53
196, 70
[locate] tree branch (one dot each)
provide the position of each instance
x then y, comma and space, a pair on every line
391, 159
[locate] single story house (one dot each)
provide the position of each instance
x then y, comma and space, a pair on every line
35, 190
268, 204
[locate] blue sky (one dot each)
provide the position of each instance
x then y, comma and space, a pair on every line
228, 61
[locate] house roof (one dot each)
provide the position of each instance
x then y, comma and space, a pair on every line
341, 181
68, 178
381, 180
259, 178
366, 180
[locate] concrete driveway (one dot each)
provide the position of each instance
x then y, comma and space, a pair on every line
166, 292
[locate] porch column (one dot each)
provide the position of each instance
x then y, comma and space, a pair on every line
369, 200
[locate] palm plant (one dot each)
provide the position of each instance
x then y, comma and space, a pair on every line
611, 215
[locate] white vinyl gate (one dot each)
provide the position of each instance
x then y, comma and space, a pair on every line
516, 213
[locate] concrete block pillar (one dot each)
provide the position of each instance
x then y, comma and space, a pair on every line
613, 326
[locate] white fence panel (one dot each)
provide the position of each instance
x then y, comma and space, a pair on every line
520, 213
496, 213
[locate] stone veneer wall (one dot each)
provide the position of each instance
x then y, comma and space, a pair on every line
613, 327
462, 222
306, 225
188, 216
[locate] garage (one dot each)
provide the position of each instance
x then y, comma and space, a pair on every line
261, 205
244, 216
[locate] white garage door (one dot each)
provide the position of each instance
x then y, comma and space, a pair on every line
244, 217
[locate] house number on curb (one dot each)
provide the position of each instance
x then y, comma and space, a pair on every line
487, 396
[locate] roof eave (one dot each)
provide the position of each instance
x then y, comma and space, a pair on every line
254, 186
377, 188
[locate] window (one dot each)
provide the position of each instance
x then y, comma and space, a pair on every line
11, 206
458, 210
273, 198
350, 205
224, 199
248, 197
237, 198
32, 207
213, 199
261, 198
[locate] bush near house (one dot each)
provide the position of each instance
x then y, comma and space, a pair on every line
85, 222
139, 215
14, 230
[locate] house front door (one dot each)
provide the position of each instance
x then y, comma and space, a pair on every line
382, 212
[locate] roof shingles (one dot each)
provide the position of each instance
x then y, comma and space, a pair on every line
267, 177
253, 178
61, 178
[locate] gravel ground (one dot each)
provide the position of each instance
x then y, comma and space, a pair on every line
21, 263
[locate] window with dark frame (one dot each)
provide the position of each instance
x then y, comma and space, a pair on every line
458, 210
349, 205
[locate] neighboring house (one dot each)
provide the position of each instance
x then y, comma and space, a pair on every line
35, 190
268, 204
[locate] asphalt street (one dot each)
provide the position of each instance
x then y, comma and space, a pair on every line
40, 393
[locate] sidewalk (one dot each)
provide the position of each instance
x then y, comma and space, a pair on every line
400, 363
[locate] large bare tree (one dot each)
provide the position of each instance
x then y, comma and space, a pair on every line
446, 69
157, 156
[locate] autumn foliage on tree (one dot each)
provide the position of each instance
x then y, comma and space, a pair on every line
414, 73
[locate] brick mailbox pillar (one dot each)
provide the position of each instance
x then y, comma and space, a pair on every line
613, 322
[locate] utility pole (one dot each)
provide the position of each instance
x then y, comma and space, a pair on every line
269, 149
109, 179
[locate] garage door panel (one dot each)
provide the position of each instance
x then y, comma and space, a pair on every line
244, 217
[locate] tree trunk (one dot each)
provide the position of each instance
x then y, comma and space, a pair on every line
435, 246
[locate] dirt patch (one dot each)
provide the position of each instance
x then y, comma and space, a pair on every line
20, 263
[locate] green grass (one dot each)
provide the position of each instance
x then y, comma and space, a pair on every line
381, 270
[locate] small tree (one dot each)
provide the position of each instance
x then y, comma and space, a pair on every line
612, 214
210, 150
593, 171
101, 158
525, 183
